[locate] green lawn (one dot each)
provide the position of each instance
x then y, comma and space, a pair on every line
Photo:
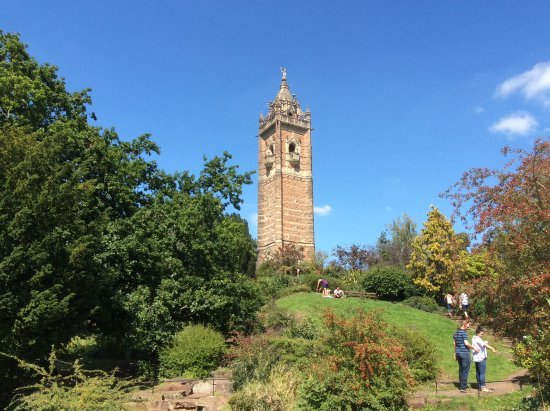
438, 329
503, 402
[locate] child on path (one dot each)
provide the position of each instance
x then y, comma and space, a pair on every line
480, 358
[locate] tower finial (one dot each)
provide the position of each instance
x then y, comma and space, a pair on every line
283, 70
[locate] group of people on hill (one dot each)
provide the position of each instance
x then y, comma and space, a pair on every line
462, 355
322, 286
464, 303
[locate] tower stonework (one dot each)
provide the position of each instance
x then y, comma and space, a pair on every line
285, 181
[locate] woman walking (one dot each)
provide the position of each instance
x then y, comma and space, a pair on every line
480, 358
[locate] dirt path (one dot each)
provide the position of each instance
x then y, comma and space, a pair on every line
511, 383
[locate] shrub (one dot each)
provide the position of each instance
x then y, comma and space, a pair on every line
254, 358
80, 390
423, 303
364, 367
533, 353
310, 280
194, 352
418, 353
278, 393
301, 288
271, 286
389, 283
302, 329
273, 318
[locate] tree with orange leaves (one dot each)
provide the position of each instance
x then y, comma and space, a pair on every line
510, 210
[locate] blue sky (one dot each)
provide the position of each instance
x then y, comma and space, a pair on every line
405, 95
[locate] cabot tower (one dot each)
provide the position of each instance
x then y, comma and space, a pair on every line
285, 181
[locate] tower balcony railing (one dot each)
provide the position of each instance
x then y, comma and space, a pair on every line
301, 120
269, 160
294, 158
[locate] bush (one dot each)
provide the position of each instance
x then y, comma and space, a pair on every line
418, 353
254, 358
310, 280
271, 286
389, 283
301, 288
363, 367
533, 353
305, 329
423, 303
274, 318
80, 390
276, 394
194, 352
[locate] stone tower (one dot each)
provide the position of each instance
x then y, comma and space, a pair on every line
285, 182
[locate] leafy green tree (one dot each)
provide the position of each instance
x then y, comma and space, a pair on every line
437, 256
95, 238
32, 95
395, 244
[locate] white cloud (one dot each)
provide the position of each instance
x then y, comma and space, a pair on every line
322, 211
253, 219
515, 124
479, 109
533, 84
388, 209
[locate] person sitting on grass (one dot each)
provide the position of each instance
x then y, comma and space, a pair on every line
338, 293
326, 293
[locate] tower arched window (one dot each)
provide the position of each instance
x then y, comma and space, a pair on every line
292, 148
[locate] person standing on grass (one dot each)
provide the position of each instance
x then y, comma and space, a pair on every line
480, 358
464, 303
462, 354
449, 303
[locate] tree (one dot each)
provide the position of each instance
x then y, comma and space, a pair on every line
395, 244
95, 238
437, 257
355, 257
509, 209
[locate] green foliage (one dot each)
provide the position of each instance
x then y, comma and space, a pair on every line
254, 357
533, 353
437, 257
424, 303
193, 352
271, 286
419, 354
303, 328
95, 238
389, 283
278, 393
363, 367
477, 265
395, 244
274, 318
80, 390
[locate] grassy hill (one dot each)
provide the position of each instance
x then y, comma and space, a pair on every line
438, 329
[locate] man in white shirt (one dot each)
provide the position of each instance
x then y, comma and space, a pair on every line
464, 303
